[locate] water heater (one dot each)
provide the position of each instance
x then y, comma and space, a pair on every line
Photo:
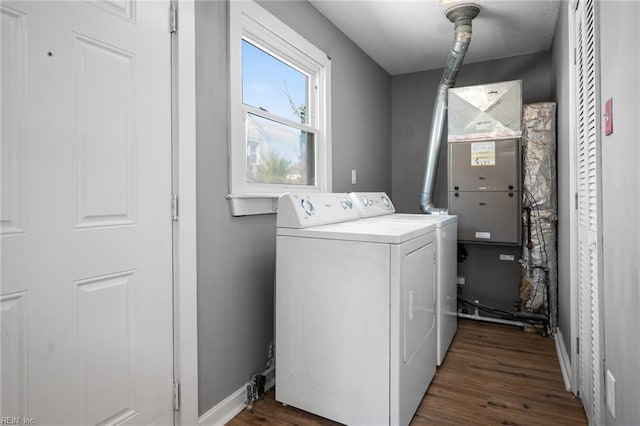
484, 170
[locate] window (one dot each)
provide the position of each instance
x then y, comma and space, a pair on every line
279, 112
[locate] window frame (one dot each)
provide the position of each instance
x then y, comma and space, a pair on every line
249, 21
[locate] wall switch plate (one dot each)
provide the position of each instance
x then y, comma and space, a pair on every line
353, 177
508, 257
460, 280
610, 387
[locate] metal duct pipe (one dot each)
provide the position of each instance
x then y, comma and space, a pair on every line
461, 15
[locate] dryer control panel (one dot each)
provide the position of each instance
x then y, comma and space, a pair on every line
370, 204
305, 210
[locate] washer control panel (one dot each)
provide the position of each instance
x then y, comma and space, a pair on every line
370, 204
304, 210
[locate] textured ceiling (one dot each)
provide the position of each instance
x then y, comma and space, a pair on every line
409, 36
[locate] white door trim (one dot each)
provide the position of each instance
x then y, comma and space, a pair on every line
185, 284
573, 190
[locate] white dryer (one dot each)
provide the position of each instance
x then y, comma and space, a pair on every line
377, 206
355, 312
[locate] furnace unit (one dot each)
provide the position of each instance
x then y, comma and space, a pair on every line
484, 131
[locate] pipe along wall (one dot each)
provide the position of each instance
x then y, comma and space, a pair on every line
461, 16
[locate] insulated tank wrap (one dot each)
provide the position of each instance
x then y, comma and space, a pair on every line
539, 286
539, 155
541, 255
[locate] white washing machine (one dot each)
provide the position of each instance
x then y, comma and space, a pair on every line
377, 206
355, 312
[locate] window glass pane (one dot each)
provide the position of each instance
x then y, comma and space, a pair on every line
272, 85
277, 153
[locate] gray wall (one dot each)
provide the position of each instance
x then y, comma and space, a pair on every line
236, 256
620, 68
488, 279
561, 67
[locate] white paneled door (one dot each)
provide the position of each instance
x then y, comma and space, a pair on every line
86, 290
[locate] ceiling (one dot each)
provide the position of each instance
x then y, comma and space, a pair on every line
410, 36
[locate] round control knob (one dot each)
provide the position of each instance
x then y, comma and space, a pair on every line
456, 195
511, 194
346, 204
456, 187
307, 207
510, 186
385, 201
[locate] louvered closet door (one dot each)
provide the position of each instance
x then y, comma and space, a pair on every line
588, 158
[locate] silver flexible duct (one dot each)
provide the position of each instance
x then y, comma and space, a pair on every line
461, 15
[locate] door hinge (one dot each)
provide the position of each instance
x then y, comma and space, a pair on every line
173, 19
575, 60
578, 345
576, 203
174, 207
176, 396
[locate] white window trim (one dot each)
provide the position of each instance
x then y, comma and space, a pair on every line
250, 21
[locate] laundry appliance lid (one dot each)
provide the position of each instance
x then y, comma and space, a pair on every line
437, 220
364, 230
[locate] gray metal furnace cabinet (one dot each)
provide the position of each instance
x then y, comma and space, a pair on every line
484, 190
484, 130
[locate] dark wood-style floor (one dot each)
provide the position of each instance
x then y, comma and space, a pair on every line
492, 375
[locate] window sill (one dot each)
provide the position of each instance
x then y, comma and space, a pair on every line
253, 204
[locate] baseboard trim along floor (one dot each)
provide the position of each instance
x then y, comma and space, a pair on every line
564, 359
227, 409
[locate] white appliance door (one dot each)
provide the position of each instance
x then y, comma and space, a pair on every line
413, 325
86, 221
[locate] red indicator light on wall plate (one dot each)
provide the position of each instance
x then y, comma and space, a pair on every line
608, 117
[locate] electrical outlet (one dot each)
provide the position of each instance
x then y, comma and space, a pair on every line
508, 257
353, 177
611, 393
460, 280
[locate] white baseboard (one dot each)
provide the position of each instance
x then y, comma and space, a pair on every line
564, 359
227, 409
